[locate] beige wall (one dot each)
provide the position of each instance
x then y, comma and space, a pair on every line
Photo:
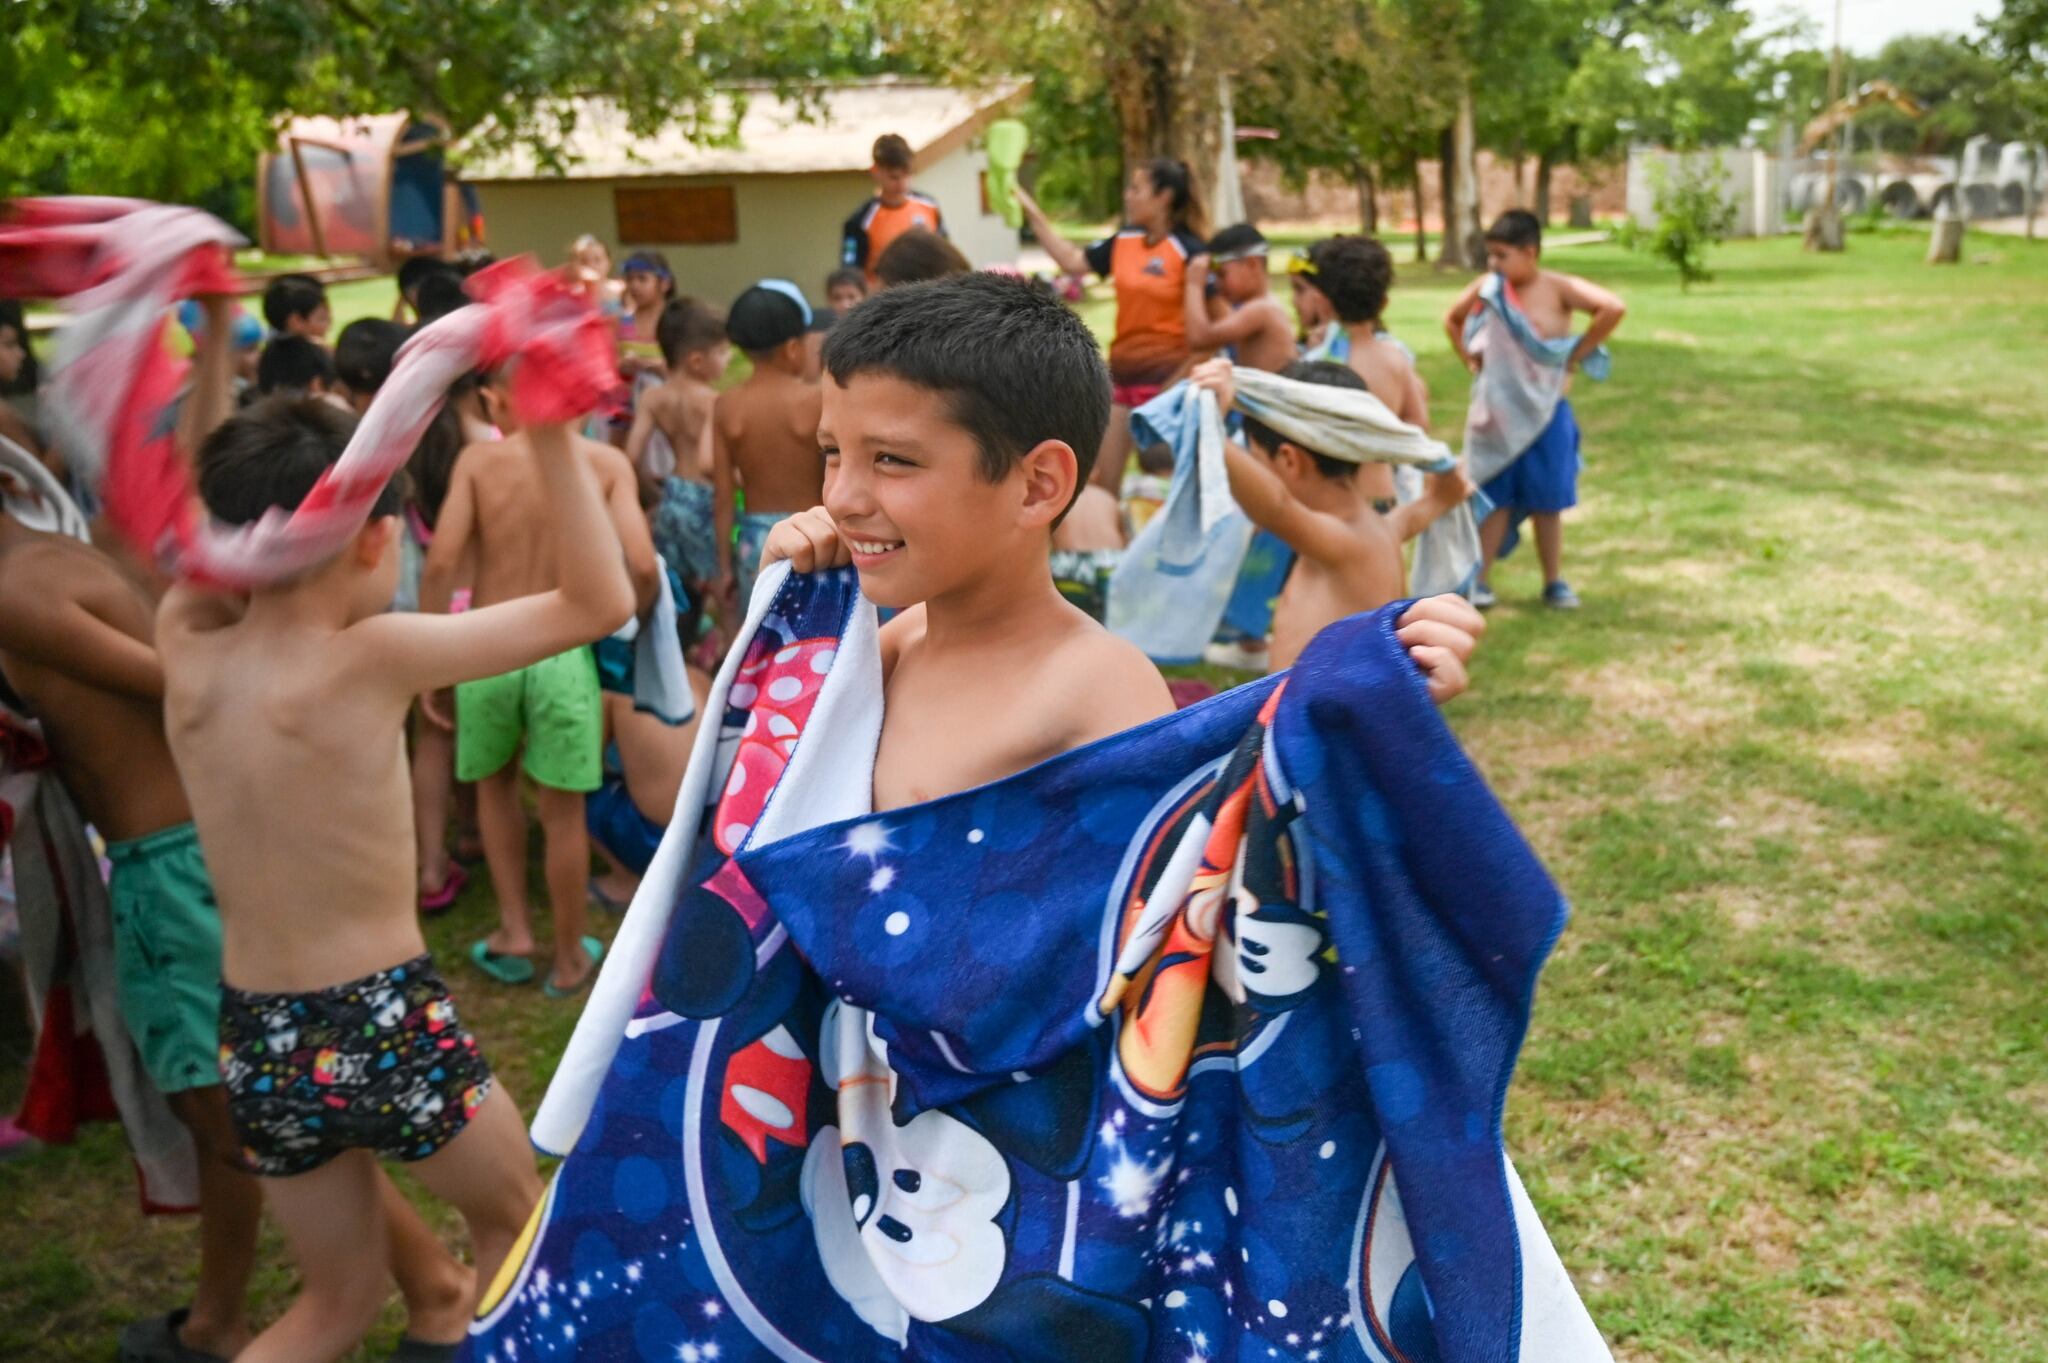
788, 224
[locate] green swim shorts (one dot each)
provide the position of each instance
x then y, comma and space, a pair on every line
167, 955
553, 706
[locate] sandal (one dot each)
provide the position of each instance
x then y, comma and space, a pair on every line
156, 1341
437, 902
605, 901
592, 948
501, 966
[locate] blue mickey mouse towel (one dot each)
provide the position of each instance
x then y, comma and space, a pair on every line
1188, 1044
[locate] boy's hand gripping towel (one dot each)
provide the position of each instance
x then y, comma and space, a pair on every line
1191, 1043
1170, 589
1520, 381
122, 265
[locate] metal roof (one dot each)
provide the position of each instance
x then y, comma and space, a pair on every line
834, 129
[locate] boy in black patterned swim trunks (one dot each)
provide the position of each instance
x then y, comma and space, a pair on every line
285, 711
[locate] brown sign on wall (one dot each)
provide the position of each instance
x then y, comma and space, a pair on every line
676, 215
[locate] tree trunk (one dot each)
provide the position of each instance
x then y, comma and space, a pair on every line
1368, 198
1421, 234
1545, 165
1446, 187
1521, 162
1463, 247
1166, 107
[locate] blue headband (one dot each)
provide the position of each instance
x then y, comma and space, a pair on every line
791, 292
646, 265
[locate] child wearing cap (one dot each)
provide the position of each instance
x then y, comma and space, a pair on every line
764, 432
1256, 330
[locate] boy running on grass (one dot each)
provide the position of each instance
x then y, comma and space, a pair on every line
1541, 482
500, 512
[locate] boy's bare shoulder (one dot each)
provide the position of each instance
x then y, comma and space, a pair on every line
1105, 683
606, 459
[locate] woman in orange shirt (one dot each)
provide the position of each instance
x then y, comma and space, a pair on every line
1147, 262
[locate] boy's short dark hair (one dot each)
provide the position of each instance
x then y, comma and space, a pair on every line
289, 296
1331, 374
892, 152
441, 293
762, 319
364, 352
1517, 227
1354, 273
292, 364
917, 256
688, 325
270, 454
1237, 242
846, 276
1015, 366
413, 271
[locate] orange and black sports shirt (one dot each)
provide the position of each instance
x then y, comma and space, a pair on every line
874, 225
1151, 337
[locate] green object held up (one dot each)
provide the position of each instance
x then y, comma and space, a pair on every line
1007, 142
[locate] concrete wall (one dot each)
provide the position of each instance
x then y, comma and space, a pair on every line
788, 224
955, 182
1751, 180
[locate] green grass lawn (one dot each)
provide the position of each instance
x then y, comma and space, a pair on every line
1786, 1093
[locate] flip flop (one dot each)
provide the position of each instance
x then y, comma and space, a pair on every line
592, 948
156, 1341
412, 1350
500, 966
605, 901
440, 901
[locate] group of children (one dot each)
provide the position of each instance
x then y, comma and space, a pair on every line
275, 771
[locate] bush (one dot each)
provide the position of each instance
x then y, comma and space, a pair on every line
1691, 216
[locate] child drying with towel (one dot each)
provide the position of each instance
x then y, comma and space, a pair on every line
285, 710
499, 510
764, 433
1347, 543
1512, 329
944, 481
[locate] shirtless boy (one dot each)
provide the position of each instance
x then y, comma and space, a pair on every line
1257, 325
944, 480
1347, 546
764, 433
1543, 482
676, 419
498, 512
286, 711
75, 652
76, 649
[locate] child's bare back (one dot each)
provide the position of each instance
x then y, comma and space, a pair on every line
497, 502
1353, 564
680, 410
768, 430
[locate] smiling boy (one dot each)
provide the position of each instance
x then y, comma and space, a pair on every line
944, 480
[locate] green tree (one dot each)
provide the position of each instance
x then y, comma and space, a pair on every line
141, 96
1358, 91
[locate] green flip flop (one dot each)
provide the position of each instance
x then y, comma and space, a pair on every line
505, 969
592, 948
